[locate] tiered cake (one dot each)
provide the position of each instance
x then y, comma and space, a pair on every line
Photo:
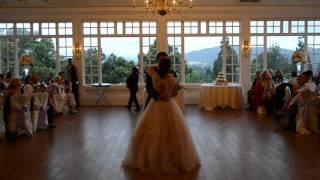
221, 79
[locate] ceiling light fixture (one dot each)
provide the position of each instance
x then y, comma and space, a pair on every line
164, 7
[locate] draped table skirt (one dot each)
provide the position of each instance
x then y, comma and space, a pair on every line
212, 96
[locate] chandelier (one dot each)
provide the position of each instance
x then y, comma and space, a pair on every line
164, 7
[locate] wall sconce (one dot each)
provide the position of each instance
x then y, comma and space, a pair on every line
246, 48
77, 50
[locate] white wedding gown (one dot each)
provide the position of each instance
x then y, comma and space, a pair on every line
161, 142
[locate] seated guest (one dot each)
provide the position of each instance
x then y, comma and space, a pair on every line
69, 97
317, 79
20, 115
56, 98
307, 118
291, 110
2, 125
305, 100
2, 86
306, 80
297, 85
30, 84
7, 80
40, 107
271, 71
13, 88
278, 78
293, 79
250, 92
282, 94
50, 79
262, 93
62, 84
61, 74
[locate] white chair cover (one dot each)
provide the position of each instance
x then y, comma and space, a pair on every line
56, 98
39, 114
20, 116
2, 125
307, 117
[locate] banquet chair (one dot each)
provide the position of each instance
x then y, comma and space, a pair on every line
307, 118
282, 93
2, 125
20, 116
39, 113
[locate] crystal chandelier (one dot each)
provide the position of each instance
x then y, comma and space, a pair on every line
164, 7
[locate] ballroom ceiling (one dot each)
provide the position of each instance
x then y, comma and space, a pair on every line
129, 3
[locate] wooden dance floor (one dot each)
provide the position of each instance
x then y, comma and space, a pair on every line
232, 145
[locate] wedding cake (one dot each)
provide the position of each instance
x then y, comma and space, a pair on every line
221, 79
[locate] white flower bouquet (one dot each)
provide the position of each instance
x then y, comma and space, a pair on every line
25, 60
298, 56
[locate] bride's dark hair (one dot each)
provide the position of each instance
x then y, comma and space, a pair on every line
164, 67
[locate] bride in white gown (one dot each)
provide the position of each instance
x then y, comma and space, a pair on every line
161, 142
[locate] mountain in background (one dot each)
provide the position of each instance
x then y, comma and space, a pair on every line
205, 57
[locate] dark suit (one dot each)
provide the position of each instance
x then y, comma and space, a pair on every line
132, 85
152, 93
73, 78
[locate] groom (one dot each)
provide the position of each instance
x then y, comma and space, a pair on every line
152, 93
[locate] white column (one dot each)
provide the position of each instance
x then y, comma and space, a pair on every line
77, 38
1, 57
224, 49
245, 78
265, 48
162, 43
16, 57
306, 66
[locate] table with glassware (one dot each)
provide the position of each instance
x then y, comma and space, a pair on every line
224, 96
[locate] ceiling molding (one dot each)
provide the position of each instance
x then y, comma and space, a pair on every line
139, 3
138, 13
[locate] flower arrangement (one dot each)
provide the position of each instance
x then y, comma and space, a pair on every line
25, 60
298, 56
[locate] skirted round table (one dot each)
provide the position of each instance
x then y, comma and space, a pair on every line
212, 96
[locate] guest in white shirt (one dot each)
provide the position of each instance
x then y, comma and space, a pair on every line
308, 83
306, 119
29, 84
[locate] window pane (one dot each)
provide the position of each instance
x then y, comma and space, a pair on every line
43, 53
200, 69
116, 63
280, 50
65, 52
7, 58
91, 60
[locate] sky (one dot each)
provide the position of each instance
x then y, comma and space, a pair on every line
287, 42
127, 47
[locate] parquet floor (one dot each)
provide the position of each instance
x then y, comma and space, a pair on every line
232, 145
